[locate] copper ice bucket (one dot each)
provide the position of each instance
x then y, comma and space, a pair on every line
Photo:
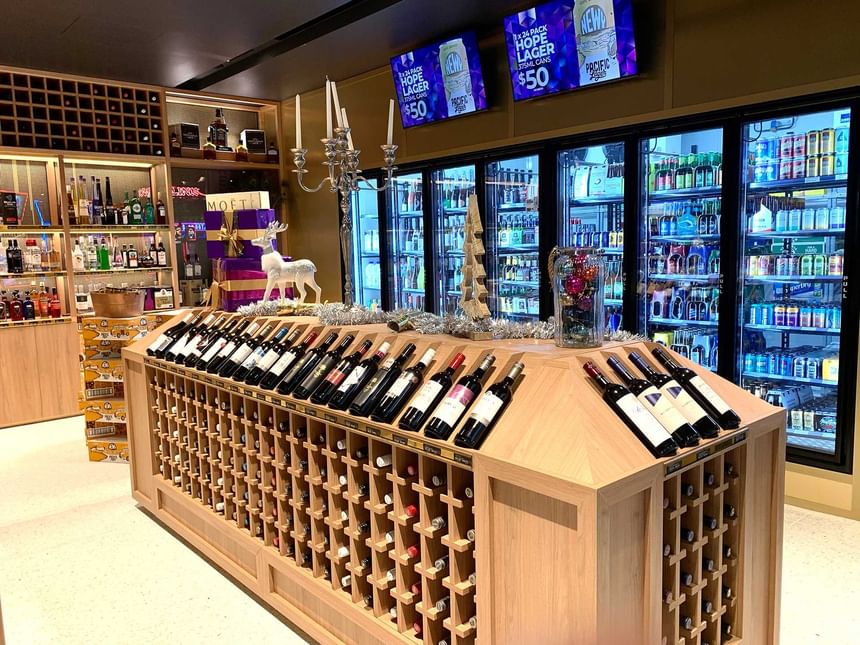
118, 303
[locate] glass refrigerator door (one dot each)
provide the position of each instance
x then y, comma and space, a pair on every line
365, 247
591, 212
451, 190
793, 224
680, 237
406, 241
512, 238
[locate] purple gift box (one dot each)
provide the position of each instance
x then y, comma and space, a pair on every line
249, 224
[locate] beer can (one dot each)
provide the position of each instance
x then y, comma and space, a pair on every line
760, 173
749, 362
819, 265
786, 146
812, 166
795, 219
834, 264
827, 141
771, 171
767, 315
807, 219
797, 419
782, 265
812, 139
834, 318
762, 151
786, 364
841, 167
799, 367
822, 218
761, 363
827, 165
765, 265
806, 265
794, 265
779, 315
809, 421
819, 317
800, 145
805, 319
773, 363
791, 315
785, 167
755, 314
798, 168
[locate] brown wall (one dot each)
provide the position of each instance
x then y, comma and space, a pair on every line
694, 56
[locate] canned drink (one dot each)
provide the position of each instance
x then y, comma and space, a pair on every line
807, 219
806, 265
834, 264
800, 145
798, 168
765, 265
779, 315
773, 363
786, 146
786, 364
827, 165
771, 170
782, 265
799, 367
749, 362
841, 140
792, 313
827, 142
805, 318
822, 218
755, 314
761, 363
781, 221
766, 314
813, 368
841, 167
762, 151
760, 173
812, 167
812, 139
793, 265
809, 421
819, 265
819, 317
795, 219
797, 419
834, 316
785, 167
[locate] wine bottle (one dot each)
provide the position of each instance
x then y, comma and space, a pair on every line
278, 370
256, 356
338, 375
452, 408
429, 396
622, 401
201, 339
304, 389
187, 335
250, 342
169, 336
658, 405
488, 410
357, 379
703, 394
373, 390
275, 350
687, 406
214, 345
401, 390
243, 332
306, 364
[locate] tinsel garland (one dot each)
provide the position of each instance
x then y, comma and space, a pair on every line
337, 313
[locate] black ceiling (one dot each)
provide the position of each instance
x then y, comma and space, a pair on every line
171, 42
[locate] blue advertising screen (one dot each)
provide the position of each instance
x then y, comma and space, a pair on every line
439, 81
561, 45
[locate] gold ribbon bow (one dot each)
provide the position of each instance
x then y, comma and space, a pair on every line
229, 234
213, 297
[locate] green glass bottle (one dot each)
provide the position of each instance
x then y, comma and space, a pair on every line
136, 209
149, 212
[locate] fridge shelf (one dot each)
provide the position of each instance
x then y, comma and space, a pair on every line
417, 254
683, 277
770, 235
704, 237
613, 301
407, 290
518, 314
684, 193
410, 214
683, 323
807, 183
769, 279
797, 330
510, 249
790, 379
811, 434
596, 199
513, 208
520, 283
370, 254
454, 210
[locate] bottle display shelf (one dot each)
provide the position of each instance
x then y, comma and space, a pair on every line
5, 324
128, 229
303, 506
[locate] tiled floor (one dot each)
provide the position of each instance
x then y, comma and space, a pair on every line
81, 564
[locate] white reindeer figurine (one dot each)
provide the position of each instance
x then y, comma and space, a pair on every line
279, 272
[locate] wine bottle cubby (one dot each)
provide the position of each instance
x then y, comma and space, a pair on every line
562, 526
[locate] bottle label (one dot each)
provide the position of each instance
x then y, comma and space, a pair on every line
159, 343
252, 360
353, 378
452, 408
228, 349
180, 346
426, 395
487, 408
642, 419
283, 363
335, 377
190, 347
388, 364
685, 403
712, 397
399, 386
208, 356
268, 360
241, 354
666, 413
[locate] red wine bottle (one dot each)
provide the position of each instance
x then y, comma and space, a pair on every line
338, 375
305, 365
304, 389
669, 387
200, 340
401, 390
357, 379
256, 356
643, 424
488, 410
190, 333
373, 390
279, 369
170, 336
244, 331
701, 392
658, 405
273, 353
429, 396
243, 351
452, 408
214, 344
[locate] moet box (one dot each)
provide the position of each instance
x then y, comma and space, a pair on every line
254, 141
228, 202
187, 133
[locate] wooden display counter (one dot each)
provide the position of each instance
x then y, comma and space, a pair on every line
553, 532
39, 371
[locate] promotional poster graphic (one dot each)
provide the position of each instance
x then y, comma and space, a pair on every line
439, 81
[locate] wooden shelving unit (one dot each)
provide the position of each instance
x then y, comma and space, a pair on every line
569, 513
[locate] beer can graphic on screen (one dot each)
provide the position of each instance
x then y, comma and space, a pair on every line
456, 77
594, 22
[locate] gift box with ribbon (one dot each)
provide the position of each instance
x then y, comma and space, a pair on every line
229, 233
237, 282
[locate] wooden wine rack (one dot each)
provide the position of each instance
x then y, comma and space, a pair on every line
569, 513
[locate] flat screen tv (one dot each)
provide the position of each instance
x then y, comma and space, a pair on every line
439, 81
563, 45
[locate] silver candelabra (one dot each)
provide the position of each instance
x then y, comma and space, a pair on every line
344, 176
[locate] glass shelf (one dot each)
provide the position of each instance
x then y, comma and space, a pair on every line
795, 330
683, 323
794, 185
791, 379
779, 235
130, 229
116, 271
38, 321
33, 274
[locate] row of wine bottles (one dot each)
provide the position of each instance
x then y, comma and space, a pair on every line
376, 386
664, 411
